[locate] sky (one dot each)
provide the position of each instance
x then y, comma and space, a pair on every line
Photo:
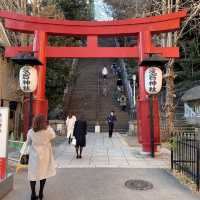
100, 11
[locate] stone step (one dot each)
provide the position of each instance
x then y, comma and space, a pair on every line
87, 95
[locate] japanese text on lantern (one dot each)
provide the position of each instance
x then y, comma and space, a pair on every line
152, 80
26, 77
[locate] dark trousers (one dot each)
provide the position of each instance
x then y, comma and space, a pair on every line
111, 126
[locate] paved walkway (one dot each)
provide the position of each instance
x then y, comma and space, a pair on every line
104, 184
100, 175
114, 152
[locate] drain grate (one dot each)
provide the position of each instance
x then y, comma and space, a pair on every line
138, 185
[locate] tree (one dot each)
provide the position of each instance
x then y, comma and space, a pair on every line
74, 10
128, 9
187, 38
189, 27
58, 71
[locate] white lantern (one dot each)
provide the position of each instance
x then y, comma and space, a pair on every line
28, 79
153, 80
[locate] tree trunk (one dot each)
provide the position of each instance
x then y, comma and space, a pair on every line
170, 76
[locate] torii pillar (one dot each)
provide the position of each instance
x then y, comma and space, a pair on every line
143, 102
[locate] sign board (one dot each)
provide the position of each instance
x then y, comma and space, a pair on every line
28, 79
153, 80
59, 127
4, 113
97, 129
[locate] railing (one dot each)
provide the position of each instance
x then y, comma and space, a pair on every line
69, 86
98, 108
126, 82
185, 155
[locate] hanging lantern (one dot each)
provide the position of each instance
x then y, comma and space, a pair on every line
153, 80
28, 79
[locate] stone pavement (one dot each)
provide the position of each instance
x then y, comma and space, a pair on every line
104, 184
114, 152
106, 165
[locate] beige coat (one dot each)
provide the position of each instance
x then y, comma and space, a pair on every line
41, 162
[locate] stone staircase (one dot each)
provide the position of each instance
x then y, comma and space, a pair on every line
87, 95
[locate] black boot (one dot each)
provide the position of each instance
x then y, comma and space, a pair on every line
34, 197
42, 183
33, 194
40, 196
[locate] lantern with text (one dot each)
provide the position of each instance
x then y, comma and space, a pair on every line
28, 79
153, 80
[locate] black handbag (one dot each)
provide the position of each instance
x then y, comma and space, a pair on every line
24, 159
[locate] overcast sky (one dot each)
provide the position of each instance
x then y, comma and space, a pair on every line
100, 11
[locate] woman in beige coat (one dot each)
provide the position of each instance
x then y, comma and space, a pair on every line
41, 162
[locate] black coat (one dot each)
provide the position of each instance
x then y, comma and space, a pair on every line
80, 131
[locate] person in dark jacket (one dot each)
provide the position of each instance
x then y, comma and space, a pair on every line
80, 131
111, 120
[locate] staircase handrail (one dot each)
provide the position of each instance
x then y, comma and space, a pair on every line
98, 96
126, 82
69, 86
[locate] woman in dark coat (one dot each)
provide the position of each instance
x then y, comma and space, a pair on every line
80, 131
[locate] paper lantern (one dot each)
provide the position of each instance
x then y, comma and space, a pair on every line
28, 79
153, 80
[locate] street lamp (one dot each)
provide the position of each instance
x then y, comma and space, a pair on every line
28, 76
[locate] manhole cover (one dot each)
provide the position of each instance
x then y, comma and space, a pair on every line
138, 185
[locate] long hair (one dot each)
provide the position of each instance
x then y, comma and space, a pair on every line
70, 115
39, 123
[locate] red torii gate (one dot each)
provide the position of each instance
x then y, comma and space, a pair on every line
142, 27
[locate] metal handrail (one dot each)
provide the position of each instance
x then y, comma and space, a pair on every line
98, 96
126, 82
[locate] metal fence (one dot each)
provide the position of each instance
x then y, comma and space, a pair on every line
185, 155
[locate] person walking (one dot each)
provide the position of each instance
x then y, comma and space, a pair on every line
41, 162
114, 68
80, 132
105, 72
111, 120
123, 102
71, 119
119, 84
